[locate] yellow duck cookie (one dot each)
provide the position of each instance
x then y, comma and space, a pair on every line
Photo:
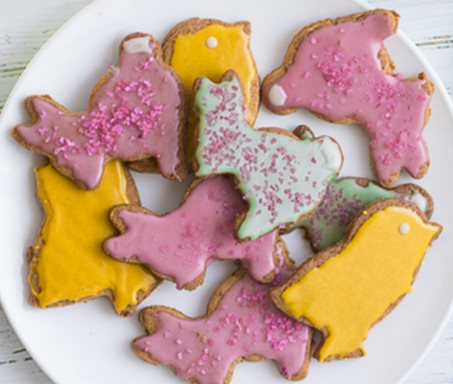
208, 48
67, 262
344, 290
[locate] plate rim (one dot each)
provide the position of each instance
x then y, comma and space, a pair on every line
427, 67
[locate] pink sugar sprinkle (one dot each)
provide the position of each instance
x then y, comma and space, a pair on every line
105, 124
43, 130
66, 146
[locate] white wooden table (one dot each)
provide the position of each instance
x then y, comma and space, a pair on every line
26, 24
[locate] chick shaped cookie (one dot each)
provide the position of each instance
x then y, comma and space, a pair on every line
242, 324
136, 111
208, 48
347, 288
283, 176
339, 70
67, 263
180, 245
345, 199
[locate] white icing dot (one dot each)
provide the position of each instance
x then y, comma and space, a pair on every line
137, 45
404, 228
277, 95
332, 154
419, 200
211, 42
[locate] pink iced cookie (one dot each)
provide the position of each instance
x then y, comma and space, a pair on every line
242, 324
339, 69
136, 111
179, 246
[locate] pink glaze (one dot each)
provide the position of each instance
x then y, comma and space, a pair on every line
337, 73
245, 323
183, 243
133, 115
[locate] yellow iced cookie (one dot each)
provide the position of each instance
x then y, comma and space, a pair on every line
67, 262
208, 48
344, 290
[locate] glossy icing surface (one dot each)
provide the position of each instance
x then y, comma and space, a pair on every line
281, 176
133, 114
244, 323
183, 243
210, 52
350, 291
71, 264
343, 202
337, 73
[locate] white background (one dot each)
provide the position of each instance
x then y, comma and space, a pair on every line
26, 24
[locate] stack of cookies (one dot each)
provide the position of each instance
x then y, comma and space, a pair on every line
189, 106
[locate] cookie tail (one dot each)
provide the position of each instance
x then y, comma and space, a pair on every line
54, 133
166, 331
390, 156
44, 111
333, 348
178, 342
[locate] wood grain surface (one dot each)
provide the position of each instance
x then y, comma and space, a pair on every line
26, 24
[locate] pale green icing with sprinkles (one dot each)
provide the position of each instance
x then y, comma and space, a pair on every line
282, 177
344, 200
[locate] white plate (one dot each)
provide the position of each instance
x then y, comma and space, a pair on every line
87, 343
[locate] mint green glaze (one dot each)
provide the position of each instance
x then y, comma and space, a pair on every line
281, 177
344, 200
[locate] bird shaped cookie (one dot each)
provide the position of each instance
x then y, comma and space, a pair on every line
208, 48
345, 199
345, 289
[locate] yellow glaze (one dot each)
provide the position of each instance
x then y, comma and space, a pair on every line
349, 292
193, 58
71, 264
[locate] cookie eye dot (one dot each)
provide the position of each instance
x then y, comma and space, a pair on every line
211, 42
404, 228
